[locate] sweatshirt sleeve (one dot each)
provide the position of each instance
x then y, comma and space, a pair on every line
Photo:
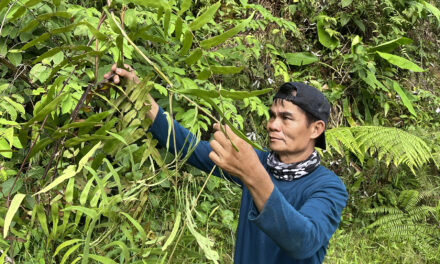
186, 143
301, 233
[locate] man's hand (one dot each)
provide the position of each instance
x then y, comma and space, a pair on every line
116, 74
243, 163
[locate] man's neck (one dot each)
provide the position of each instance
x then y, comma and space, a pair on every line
288, 158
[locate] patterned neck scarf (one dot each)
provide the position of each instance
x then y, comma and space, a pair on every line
291, 171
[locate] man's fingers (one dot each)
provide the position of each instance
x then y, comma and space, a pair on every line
220, 137
128, 67
214, 157
116, 79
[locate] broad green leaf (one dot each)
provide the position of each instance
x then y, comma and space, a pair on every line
42, 218
123, 246
390, 45
184, 6
166, 22
114, 173
434, 10
70, 190
86, 157
35, 41
137, 225
69, 172
4, 86
69, 252
33, 23
85, 192
55, 218
405, 100
47, 54
194, 57
5, 149
13, 207
237, 95
15, 58
55, 14
149, 3
345, 3
17, 106
6, 251
400, 62
324, 37
18, 13
201, 20
173, 232
104, 260
217, 40
32, 3
118, 137
300, 58
41, 144
130, 18
8, 134
46, 109
8, 122
88, 211
66, 244
85, 138
100, 184
204, 242
3, 4
178, 28
187, 43
226, 69
204, 75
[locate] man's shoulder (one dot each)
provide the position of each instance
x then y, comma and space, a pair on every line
324, 177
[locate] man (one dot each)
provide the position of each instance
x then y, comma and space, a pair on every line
290, 205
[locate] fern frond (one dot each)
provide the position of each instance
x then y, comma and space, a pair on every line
389, 220
391, 144
408, 199
342, 138
383, 210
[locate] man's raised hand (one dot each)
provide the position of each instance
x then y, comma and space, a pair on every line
116, 74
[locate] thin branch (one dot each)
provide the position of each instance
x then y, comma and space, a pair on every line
4, 18
16, 72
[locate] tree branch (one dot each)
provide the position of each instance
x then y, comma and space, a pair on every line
22, 75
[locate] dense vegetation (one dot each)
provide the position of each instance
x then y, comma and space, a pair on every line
83, 180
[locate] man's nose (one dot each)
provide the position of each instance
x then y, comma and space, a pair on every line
274, 125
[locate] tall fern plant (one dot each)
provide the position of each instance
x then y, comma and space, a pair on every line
389, 144
411, 220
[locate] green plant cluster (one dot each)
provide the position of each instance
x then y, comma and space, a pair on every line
82, 180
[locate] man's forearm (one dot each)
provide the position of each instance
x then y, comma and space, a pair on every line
152, 113
260, 186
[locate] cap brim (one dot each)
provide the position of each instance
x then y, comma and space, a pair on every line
320, 141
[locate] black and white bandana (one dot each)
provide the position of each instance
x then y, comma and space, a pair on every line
292, 171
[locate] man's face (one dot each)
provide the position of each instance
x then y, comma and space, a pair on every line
289, 135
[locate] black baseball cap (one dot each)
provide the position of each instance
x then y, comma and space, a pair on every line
309, 99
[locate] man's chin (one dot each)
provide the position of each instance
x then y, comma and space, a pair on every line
275, 147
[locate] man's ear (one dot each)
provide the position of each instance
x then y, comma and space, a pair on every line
317, 128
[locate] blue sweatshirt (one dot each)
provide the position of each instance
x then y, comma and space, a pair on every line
297, 220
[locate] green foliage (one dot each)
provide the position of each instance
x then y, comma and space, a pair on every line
92, 185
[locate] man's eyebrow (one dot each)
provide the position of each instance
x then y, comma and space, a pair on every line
283, 113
